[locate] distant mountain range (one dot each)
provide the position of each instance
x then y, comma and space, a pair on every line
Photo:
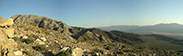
168, 28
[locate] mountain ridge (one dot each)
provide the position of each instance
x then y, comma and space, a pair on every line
82, 34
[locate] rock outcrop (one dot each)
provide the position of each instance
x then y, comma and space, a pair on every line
7, 46
77, 51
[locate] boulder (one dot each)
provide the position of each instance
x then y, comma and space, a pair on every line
43, 38
65, 48
18, 52
23, 38
39, 42
77, 52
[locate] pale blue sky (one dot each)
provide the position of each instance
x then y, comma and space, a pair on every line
97, 13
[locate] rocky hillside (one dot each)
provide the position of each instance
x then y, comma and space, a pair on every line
33, 36
77, 33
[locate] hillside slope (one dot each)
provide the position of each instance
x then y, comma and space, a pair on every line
76, 32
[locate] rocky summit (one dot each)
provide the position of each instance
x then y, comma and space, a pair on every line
31, 35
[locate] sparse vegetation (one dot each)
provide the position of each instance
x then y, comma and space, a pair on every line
18, 47
64, 38
15, 32
142, 47
109, 47
27, 52
123, 46
78, 41
121, 52
26, 29
46, 33
64, 53
40, 48
37, 31
15, 38
28, 41
105, 45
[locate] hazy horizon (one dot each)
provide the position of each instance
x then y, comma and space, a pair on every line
98, 13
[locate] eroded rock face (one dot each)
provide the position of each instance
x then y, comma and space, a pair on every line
6, 32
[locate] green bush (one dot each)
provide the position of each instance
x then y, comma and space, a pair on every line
47, 33
40, 48
109, 47
15, 38
27, 52
105, 45
121, 52
78, 41
178, 53
64, 53
28, 41
123, 46
142, 47
26, 29
37, 31
64, 38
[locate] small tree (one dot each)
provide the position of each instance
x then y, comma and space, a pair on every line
15, 38
64, 53
28, 41
123, 46
178, 53
142, 47
27, 52
109, 47
40, 48
121, 52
